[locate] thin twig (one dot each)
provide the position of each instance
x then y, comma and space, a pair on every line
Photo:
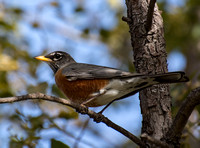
150, 15
86, 142
182, 116
126, 19
78, 139
79, 108
154, 141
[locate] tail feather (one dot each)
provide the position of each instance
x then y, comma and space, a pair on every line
171, 77
145, 81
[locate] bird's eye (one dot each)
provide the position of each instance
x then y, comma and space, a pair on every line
57, 56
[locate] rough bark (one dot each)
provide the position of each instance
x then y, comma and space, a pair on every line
150, 58
173, 136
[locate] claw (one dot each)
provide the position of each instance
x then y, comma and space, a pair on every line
82, 109
98, 118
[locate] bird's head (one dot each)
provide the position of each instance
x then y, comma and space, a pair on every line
56, 60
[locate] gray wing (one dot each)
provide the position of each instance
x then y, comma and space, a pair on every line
87, 71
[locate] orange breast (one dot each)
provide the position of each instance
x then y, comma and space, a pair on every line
79, 90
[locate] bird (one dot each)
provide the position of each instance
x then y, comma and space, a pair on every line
93, 85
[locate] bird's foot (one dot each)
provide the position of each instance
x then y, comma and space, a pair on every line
82, 109
98, 118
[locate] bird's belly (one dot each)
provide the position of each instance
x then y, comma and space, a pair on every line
79, 91
114, 90
98, 91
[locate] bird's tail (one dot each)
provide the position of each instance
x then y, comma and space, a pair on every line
171, 77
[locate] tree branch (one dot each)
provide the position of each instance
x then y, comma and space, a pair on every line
150, 58
126, 19
182, 116
150, 15
79, 108
154, 141
78, 139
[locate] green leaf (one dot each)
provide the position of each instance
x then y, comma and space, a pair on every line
104, 34
68, 115
58, 144
6, 26
79, 9
35, 25
86, 31
41, 87
54, 4
17, 11
7, 63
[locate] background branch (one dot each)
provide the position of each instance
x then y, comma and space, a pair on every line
154, 141
182, 116
79, 108
150, 15
78, 139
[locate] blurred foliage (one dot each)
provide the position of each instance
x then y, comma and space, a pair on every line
57, 144
27, 122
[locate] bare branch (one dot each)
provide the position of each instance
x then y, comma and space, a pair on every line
78, 139
150, 15
126, 19
90, 144
154, 141
182, 116
79, 108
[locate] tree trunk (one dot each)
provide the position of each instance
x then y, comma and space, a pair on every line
150, 57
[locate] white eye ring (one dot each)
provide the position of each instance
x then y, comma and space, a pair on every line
57, 56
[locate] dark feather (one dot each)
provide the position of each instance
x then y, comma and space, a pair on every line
76, 71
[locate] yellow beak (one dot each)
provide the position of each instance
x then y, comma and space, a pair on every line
43, 58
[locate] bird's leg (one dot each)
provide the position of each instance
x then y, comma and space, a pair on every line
94, 95
101, 92
107, 106
82, 109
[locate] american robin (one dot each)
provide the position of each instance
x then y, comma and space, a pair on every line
94, 85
